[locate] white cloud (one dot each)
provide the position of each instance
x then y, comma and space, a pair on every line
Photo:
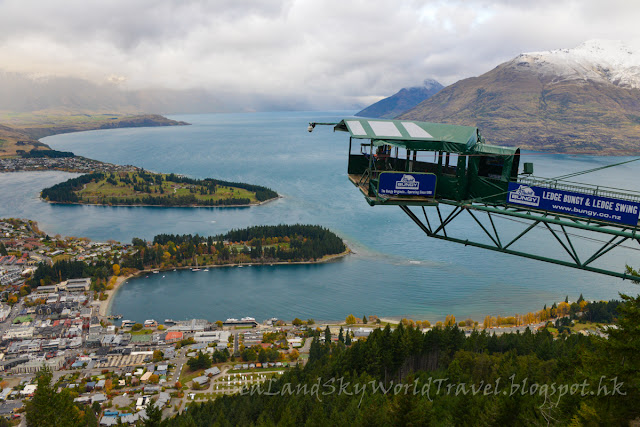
318, 54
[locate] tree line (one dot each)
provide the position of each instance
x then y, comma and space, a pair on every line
54, 154
262, 193
99, 271
65, 192
177, 200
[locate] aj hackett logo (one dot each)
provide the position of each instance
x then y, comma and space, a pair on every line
525, 196
408, 182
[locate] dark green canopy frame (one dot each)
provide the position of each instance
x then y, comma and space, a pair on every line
475, 184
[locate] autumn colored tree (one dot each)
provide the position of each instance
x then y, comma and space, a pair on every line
350, 320
450, 320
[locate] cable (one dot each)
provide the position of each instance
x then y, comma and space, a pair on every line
571, 175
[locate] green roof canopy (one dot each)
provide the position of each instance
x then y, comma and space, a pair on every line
413, 135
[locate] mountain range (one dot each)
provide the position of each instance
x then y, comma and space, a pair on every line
403, 100
585, 99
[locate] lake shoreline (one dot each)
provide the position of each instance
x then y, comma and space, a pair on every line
105, 306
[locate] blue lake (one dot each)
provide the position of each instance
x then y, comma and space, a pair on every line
396, 270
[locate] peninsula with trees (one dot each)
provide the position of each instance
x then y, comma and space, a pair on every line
143, 188
266, 244
254, 245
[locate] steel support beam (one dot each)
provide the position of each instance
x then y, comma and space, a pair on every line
618, 235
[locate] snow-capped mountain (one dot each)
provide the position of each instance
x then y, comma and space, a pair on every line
585, 99
610, 61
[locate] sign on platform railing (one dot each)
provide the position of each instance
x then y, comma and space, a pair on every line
407, 184
572, 203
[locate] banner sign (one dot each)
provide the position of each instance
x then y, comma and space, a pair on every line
407, 184
572, 203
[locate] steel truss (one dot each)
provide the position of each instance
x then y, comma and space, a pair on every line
436, 227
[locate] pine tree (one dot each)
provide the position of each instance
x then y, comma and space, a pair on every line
327, 335
341, 335
154, 415
364, 319
90, 418
347, 340
48, 408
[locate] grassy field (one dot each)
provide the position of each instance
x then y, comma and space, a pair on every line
141, 332
579, 326
187, 375
101, 191
49, 118
63, 257
12, 140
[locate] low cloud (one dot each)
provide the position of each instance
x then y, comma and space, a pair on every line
306, 54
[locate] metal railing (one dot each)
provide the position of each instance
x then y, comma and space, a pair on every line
592, 190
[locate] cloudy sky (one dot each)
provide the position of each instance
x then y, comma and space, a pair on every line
309, 53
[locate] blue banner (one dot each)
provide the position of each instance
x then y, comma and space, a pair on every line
407, 184
572, 203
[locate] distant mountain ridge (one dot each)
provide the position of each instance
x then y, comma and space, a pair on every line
22, 137
24, 93
585, 99
402, 101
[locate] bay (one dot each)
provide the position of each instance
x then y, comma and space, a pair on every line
396, 271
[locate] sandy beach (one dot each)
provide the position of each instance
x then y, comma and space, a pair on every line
104, 305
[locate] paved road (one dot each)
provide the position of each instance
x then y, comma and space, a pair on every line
12, 315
